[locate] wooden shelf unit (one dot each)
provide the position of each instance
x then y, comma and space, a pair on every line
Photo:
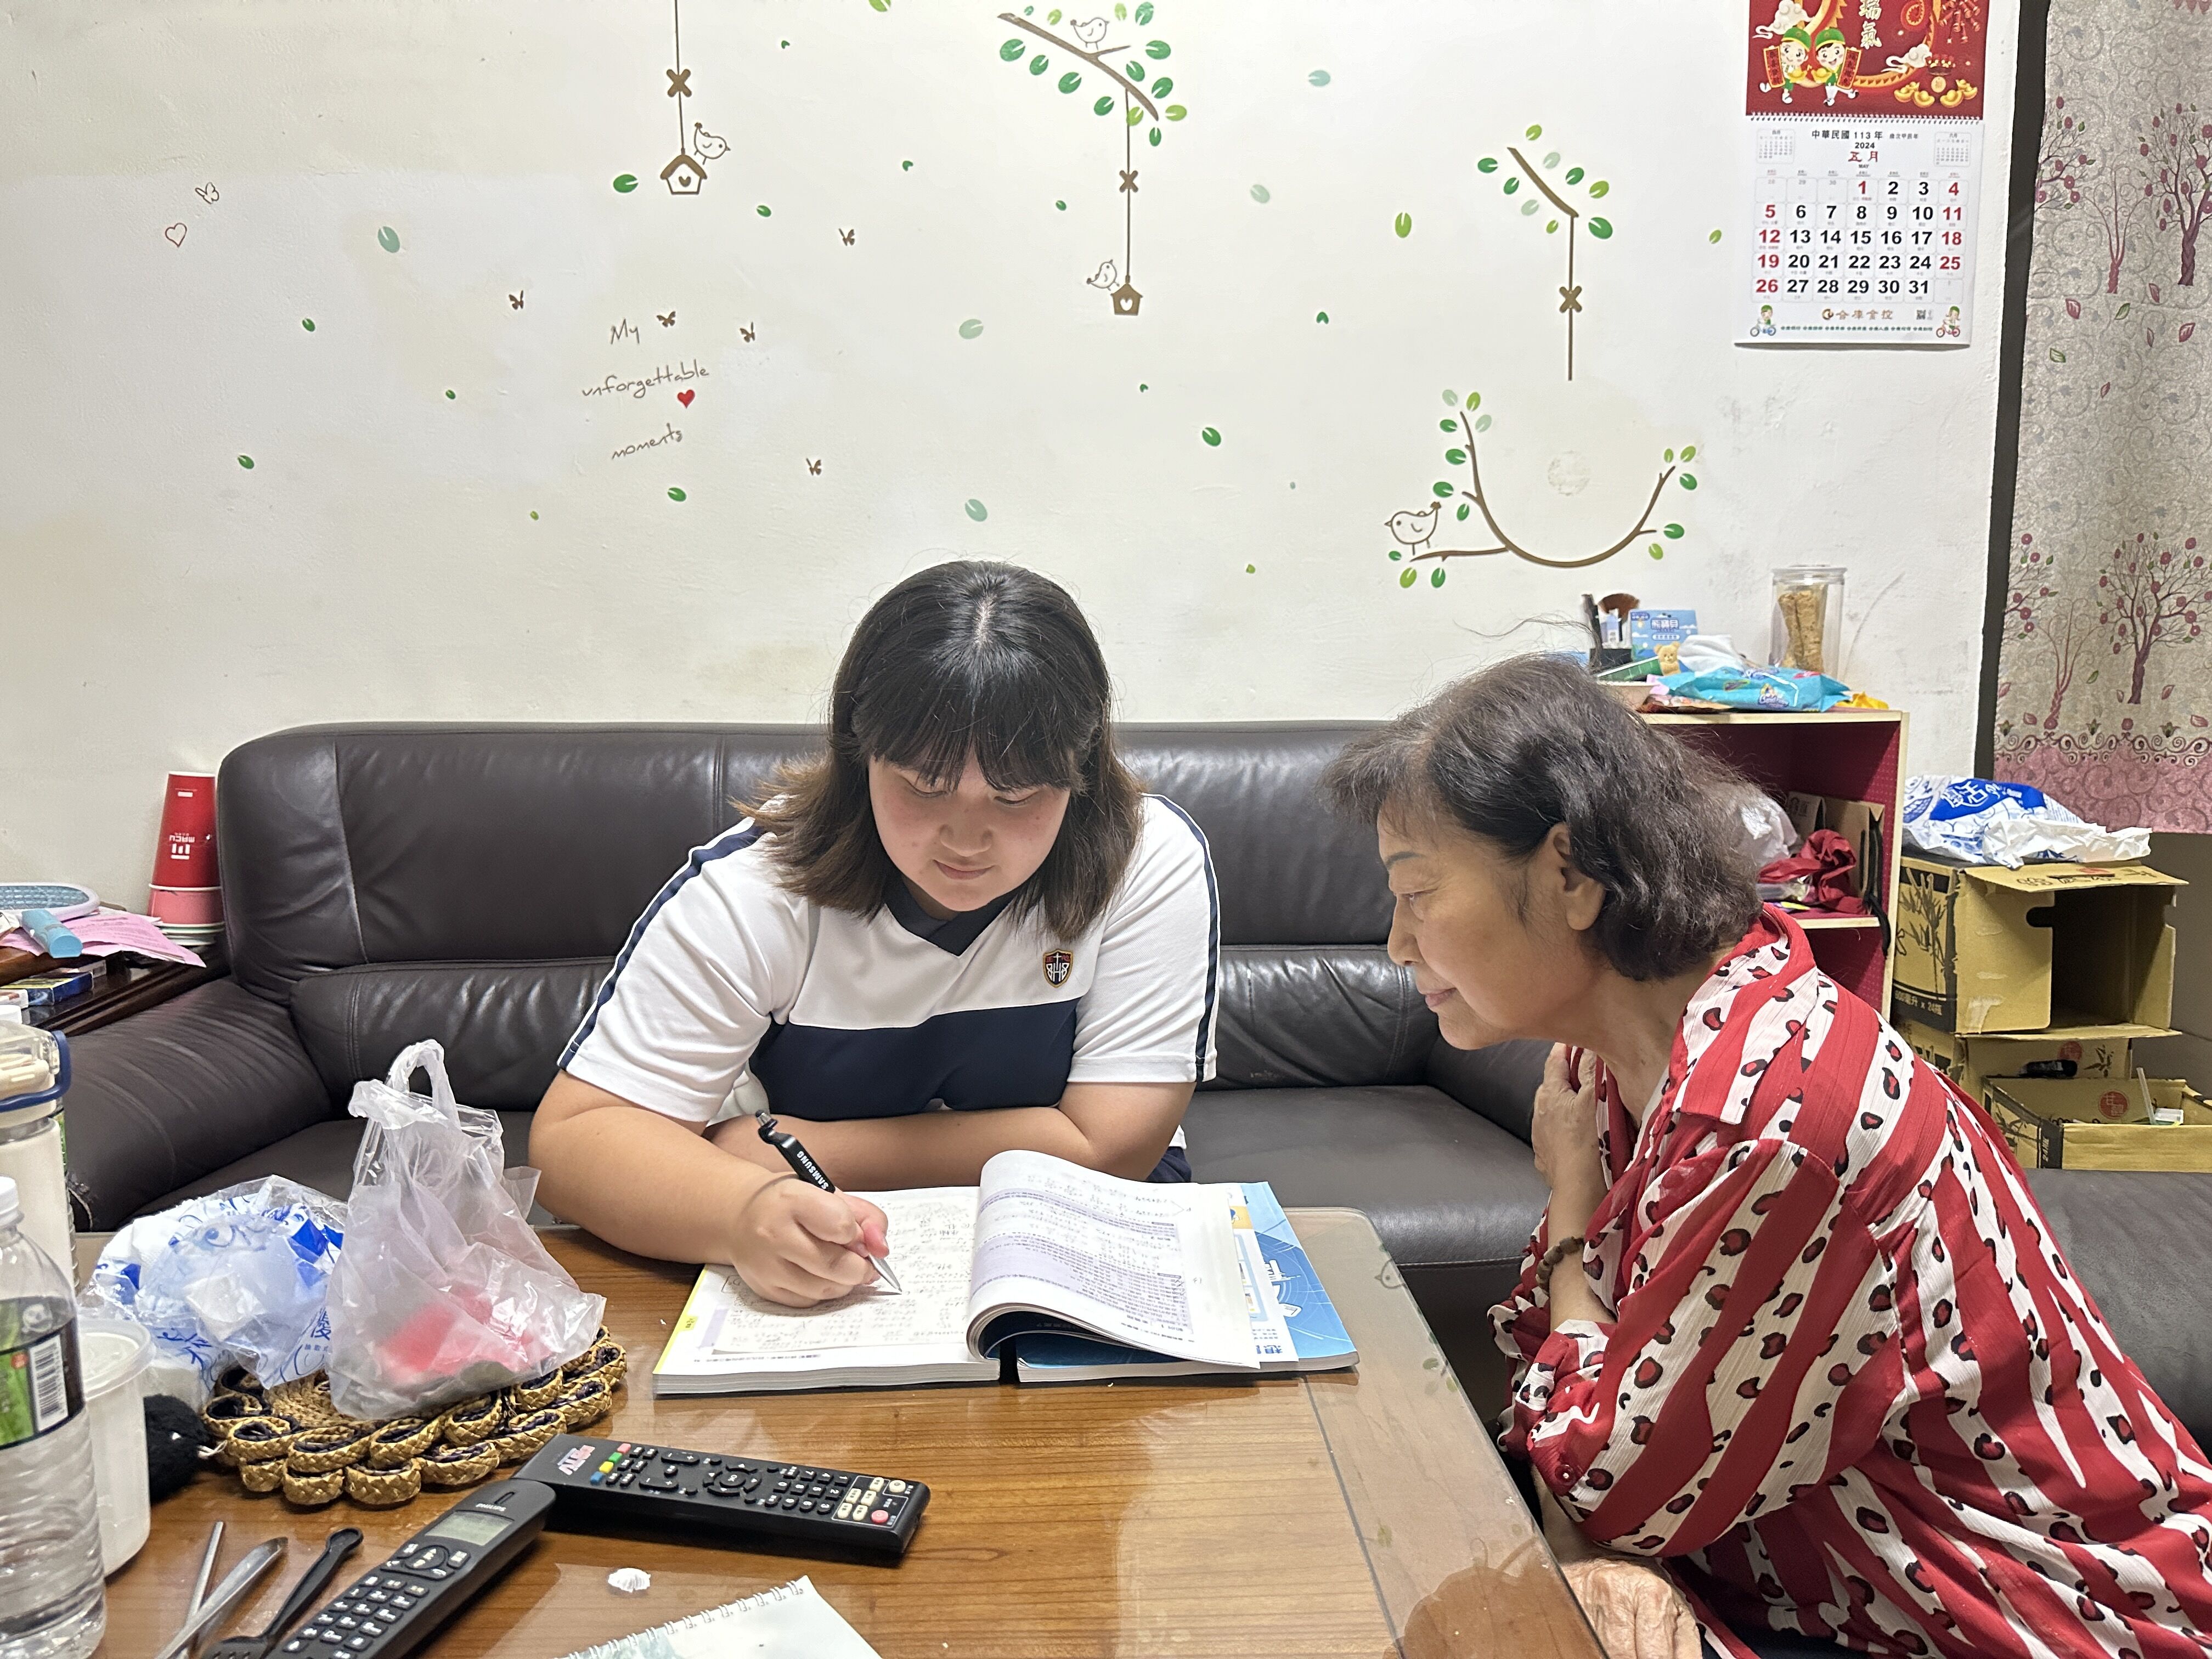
1856, 753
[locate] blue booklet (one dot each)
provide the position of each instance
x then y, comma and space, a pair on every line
1295, 1325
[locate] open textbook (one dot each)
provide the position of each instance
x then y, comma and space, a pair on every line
1040, 1248
1295, 1327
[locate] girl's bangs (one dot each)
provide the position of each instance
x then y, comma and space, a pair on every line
1024, 732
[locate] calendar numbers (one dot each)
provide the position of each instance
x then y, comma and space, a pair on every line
1858, 234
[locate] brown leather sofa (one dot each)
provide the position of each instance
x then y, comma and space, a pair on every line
385, 883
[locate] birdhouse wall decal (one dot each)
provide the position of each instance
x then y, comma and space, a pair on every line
1133, 78
684, 175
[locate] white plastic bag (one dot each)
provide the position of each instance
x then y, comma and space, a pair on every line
2007, 823
443, 1290
237, 1277
1768, 834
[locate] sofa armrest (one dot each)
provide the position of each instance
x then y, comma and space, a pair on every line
160, 1099
2135, 1239
1500, 1082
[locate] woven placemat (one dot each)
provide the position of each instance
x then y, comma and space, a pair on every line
292, 1440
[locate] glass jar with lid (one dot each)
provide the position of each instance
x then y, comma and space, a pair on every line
1808, 619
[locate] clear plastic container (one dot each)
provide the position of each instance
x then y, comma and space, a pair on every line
1808, 619
35, 1074
52, 1603
117, 1353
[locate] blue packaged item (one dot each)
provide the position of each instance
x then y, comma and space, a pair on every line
1982, 821
1789, 690
238, 1277
1650, 629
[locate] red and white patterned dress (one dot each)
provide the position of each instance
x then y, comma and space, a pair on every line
1850, 1387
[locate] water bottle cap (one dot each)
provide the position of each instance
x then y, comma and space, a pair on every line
11, 1208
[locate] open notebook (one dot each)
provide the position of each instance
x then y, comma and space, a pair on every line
791, 1622
1041, 1248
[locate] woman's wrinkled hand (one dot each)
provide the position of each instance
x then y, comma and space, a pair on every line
1564, 1133
1635, 1608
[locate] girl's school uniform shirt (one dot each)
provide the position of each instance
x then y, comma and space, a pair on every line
730, 979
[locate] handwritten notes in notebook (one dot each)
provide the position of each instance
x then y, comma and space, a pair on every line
1040, 1244
933, 1233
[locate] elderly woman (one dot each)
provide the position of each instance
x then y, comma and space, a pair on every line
1791, 1323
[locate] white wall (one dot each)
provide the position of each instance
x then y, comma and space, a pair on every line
381, 560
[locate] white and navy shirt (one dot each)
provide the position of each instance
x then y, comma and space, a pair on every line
730, 979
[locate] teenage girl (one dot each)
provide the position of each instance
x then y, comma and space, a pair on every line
965, 902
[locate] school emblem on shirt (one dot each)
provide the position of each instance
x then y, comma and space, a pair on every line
1057, 965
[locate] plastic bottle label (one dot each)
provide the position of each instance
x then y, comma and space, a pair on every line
41, 1387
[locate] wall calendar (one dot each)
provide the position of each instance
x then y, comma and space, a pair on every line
1863, 119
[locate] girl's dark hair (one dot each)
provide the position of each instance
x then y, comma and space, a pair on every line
1532, 742
967, 658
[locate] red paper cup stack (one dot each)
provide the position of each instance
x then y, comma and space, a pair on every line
186, 900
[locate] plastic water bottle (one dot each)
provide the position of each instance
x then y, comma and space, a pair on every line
52, 1604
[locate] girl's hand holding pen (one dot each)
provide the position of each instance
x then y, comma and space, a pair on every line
797, 1245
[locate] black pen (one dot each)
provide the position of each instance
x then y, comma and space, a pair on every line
804, 1166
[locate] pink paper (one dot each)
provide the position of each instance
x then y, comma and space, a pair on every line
108, 932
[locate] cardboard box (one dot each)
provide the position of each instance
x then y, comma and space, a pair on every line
2103, 1123
1974, 1062
1981, 948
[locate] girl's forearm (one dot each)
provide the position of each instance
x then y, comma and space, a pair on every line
927, 1149
642, 1181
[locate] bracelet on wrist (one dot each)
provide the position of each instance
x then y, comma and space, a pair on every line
1553, 1257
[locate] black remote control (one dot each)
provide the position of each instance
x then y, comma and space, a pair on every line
394, 1608
612, 1483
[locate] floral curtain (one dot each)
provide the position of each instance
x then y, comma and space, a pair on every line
2104, 680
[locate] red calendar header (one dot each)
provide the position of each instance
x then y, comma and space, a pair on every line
1866, 58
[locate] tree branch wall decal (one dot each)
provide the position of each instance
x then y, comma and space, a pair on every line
1415, 530
1142, 93
1565, 212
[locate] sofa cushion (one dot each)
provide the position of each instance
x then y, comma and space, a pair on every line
1292, 870
1308, 1016
1444, 1187
351, 844
321, 1157
1500, 1081
503, 1023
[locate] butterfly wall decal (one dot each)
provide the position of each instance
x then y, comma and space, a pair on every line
667, 319
814, 467
848, 237
746, 329
516, 300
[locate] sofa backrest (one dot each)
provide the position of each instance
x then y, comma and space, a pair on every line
473, 883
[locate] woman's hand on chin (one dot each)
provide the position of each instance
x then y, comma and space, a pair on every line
1563, 1133
1634, 1608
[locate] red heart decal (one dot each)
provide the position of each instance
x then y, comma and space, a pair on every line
686, 397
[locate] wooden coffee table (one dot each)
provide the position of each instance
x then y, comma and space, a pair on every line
1345, 1513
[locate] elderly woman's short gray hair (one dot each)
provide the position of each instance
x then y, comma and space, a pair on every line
1532, 742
